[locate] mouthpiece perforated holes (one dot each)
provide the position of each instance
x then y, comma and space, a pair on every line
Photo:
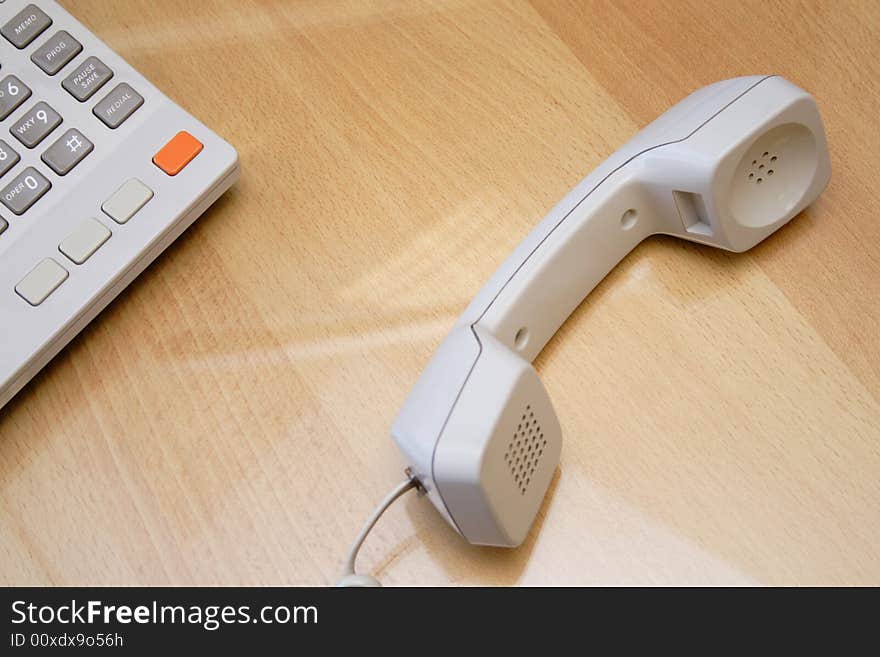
525, 449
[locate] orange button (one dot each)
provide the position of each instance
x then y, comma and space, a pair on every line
177, 153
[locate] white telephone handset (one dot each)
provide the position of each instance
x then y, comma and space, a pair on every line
726, 167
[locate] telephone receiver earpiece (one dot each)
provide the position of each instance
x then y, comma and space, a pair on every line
725, 167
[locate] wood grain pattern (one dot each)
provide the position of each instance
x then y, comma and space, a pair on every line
225, 421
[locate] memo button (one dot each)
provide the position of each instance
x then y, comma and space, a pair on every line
177, 153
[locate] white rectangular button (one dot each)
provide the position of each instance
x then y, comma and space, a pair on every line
127, 200
41, 282
84, 241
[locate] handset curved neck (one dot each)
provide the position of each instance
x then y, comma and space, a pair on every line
593, 228
545, 287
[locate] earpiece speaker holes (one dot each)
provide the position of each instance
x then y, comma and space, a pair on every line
760, 166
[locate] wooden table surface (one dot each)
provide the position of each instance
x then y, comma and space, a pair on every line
226, 420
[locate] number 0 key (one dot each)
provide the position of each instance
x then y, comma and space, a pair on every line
24, 190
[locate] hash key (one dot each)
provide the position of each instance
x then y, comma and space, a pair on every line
67, 151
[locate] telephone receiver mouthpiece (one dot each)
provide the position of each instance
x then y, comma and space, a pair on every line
725, 167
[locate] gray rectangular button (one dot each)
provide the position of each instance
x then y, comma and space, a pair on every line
13, 92
127, 200
84, 241
67, 151
24, 190
56, 52
8, 158
3, 225
42, 281
88, 77
26, 26
118, 105
33, 127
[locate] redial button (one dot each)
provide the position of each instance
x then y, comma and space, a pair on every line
118, 105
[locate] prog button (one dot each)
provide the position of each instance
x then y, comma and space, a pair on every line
53, 55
